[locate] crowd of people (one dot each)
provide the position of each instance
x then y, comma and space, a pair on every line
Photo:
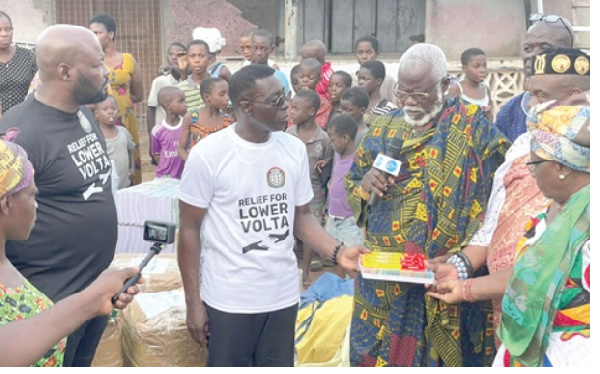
498, 205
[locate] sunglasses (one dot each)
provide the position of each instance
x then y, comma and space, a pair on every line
551, 18
278, 101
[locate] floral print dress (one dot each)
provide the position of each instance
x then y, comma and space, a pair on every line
24, 302
120, 78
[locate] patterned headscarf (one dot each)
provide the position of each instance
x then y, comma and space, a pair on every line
562, 134
16, 171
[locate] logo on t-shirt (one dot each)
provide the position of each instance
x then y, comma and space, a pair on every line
266, 214
276, 177
84, 122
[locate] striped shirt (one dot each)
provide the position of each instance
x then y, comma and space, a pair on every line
191, 89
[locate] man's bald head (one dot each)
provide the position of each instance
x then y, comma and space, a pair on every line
314, 49
71, 65
543, 35
62, 44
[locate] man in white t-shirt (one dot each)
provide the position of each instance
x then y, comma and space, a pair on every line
248, 187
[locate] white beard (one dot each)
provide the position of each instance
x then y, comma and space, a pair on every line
427, 117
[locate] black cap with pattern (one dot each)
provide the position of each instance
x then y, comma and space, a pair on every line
561, 61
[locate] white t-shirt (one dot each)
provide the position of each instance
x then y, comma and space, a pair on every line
158, 83
250, 192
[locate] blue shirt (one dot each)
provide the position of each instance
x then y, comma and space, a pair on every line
279, 74
512, 117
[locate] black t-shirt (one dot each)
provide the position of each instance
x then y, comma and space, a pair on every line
75, 233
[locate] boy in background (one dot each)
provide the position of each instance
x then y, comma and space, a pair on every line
472, 88
262, 46
339, 83
197, 61
341, 223
367, 49
318, 147
166, 134
246, 48
309, 77
318, 50
294, 78
119, 143
370, 77
354, 103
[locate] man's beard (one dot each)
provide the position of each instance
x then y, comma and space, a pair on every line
427, 117
83, 94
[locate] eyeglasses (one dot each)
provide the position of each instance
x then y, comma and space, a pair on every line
532, 165
419, 97
279, 100
551, 18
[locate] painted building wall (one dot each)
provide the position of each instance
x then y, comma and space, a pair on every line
497, 27
180, 17
29, 18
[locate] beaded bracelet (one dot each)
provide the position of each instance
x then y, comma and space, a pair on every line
466, 291
463, 268
335, 252
467, 262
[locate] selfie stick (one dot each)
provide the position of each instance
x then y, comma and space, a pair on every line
154, 250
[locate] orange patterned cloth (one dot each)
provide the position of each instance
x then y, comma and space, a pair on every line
523, 200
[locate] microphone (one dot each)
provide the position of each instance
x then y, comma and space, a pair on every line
388, 163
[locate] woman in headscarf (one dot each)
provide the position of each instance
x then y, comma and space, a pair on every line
28, 336
546, 307
553, 328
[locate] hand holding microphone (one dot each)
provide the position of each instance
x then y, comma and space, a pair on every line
388, 165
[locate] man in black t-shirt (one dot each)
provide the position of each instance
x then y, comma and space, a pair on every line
75, 233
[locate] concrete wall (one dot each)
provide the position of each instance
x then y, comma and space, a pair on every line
497, 27
182, 16
29, 17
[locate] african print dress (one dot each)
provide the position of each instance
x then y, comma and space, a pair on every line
22, 303
120, 82
199, 131
568, 341
434, 207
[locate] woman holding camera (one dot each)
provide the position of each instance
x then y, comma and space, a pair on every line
32, 329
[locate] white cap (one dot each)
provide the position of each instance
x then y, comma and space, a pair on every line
212, 37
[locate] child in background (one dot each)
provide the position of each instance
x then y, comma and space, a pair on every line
200, 123
339, 82
367, 49
119, 143
294, 78
309, 76
197, 61
471, 88
318, 50
263, 44
341, 223
154, 113
214, 40
246, 48
370, 77
318, 147
354, 103
165, 135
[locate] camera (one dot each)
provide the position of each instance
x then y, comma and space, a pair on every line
159, 232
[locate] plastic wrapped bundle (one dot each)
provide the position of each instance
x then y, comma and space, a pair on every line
155, 333
161, 273
110, 350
